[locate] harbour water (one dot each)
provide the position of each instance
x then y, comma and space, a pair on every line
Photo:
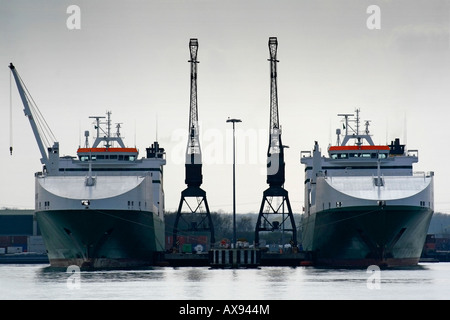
427, 281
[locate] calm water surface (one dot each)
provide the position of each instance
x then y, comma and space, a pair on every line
427, 281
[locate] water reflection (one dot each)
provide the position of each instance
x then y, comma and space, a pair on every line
196, 274
200, 283
276, 274
51, 274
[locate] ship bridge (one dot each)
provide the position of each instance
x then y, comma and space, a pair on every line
115, 154
367, 152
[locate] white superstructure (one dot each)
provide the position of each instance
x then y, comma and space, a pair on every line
364, 174
364, 204
103, 177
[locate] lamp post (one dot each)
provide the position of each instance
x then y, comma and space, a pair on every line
234, 183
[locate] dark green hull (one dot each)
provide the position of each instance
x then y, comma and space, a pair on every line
101, 238
362, 236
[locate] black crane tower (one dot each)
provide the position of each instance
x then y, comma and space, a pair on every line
275, 168
198, 217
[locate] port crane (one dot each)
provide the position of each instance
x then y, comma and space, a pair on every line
48, 146
200, 217
267, 221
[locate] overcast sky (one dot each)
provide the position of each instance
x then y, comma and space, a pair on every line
131, 58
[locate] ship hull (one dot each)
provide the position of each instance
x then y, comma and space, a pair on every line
360, 236
102, 238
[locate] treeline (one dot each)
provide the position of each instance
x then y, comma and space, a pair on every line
223, 226
440, 223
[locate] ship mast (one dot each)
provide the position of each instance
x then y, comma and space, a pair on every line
275, 166
200, 221
354, 134
106, 138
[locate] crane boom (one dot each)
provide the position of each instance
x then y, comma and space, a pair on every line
274, 120
49, 153
193, 151
275, 153
28, 114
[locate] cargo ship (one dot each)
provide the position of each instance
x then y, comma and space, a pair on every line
363, 203
104, 207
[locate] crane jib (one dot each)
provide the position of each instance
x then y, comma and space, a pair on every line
44, 137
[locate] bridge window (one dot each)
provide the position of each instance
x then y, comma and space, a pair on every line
339, 156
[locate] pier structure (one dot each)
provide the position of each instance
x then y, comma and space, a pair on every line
235, 258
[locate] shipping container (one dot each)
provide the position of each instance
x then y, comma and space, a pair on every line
15, 249
187, 248
36, 244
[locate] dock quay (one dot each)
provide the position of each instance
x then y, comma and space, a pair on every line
236, 258
215, 258
185, 259
23, 258
206, 259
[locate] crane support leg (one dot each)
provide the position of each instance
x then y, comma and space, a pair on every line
268, 220
199, 221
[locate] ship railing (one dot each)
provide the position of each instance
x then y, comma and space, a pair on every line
412, 153
305, 154
424, 174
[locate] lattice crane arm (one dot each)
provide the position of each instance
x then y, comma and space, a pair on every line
274, 119
275, 153
193, 151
